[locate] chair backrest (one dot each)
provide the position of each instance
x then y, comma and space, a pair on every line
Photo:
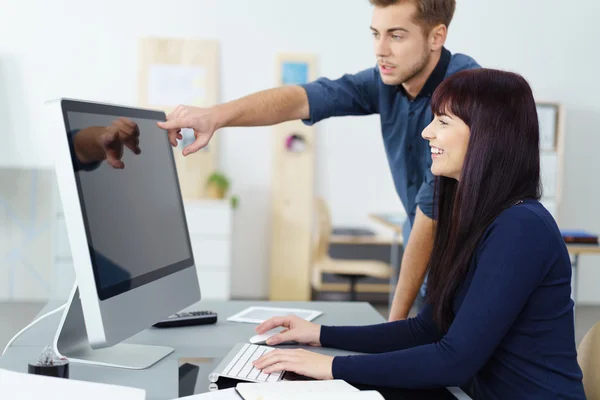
588, 357
322, 230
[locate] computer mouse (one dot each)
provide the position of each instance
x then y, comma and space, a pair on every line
262, 339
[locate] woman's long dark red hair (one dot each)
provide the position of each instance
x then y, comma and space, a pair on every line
502, 166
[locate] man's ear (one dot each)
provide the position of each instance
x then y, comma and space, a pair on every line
437, 37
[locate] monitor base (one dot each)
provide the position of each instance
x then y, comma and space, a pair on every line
71, 342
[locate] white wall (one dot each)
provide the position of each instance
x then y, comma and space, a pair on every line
89, 50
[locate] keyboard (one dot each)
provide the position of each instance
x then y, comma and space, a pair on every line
238, 365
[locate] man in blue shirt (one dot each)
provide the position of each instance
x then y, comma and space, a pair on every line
408, 39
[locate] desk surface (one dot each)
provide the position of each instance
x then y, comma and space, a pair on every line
161, 381
583, 248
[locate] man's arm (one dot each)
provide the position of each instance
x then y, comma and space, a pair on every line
310, 102
414, 266
351, 94
264, 108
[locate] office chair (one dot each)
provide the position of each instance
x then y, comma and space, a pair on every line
588, 357
322, 263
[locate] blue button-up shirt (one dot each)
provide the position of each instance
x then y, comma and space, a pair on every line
402, 122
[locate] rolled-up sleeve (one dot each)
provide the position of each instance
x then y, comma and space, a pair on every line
425, 196
351, 94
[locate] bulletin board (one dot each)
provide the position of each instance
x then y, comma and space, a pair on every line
182, 71
293, 188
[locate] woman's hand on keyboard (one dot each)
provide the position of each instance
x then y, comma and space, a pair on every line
299, 361
296, 329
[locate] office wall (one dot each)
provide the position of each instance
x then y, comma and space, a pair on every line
25, 234
88, 50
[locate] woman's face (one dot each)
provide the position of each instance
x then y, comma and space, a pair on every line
448, 138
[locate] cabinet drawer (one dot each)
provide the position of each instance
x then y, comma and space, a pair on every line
213, 285
211, 254
210, 220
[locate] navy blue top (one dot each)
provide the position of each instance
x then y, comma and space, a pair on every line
513, 334
402, 122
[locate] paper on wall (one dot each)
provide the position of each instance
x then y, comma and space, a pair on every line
549, 173
173, 84
547, 124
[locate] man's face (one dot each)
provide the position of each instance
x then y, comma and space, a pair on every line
401, 49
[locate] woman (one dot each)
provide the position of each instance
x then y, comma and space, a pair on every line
499, 312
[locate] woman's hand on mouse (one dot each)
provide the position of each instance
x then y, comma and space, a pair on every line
296, 329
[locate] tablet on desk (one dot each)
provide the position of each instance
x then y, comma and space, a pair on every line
258, 315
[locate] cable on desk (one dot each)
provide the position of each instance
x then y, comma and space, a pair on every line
33, 323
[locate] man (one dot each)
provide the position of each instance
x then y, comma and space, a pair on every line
408, 38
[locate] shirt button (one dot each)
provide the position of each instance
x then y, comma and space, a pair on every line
410, 147
410, 114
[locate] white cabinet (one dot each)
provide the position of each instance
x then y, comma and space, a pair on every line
209, 224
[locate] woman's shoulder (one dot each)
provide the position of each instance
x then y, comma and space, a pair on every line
527, 222
528, 211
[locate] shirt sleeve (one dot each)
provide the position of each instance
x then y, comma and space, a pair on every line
510, 264
351, 94
425, 196
390, 336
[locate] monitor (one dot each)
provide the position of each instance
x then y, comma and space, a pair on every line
126, 227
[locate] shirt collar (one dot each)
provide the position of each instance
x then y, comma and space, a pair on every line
437, 76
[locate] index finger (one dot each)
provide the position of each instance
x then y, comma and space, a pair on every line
175, 124
271, 323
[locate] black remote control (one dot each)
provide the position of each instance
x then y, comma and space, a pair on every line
188, 318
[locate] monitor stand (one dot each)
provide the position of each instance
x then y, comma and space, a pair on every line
71, 341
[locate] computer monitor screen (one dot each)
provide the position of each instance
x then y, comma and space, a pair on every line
132, 210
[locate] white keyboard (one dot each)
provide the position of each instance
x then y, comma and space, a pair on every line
240, 365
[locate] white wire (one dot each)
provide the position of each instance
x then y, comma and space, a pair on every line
31, 324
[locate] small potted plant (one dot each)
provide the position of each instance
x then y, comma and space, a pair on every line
217, 185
